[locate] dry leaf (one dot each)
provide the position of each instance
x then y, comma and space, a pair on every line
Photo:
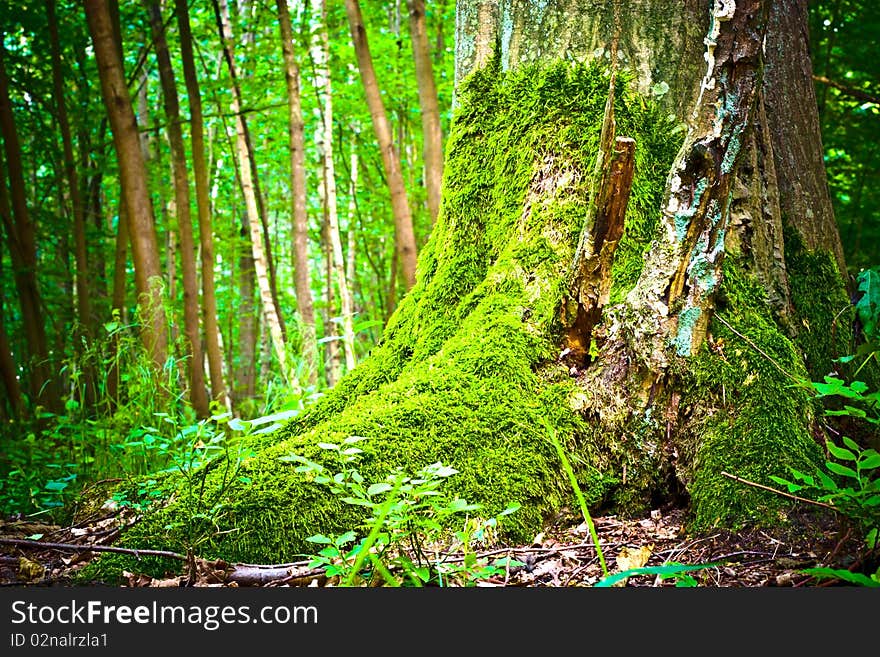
633, 558
30, 570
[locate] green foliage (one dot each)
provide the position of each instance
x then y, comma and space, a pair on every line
859, 579
675, 571
842, 41
868, 305
410, 518
572, 478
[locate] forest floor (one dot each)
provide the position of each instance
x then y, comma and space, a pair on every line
562, 556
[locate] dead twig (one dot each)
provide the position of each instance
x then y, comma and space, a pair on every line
22, 542
779, 492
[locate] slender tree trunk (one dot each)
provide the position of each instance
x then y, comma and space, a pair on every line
224, 27
431, 135
83, 300
248, 326
203, 204
22, 241
325, 145
261, 264
9, 374
8, 368
133, 173
302, 278
195, 358
333, 358
351, 228
404, 234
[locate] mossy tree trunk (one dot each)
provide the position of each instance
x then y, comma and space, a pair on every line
714, 303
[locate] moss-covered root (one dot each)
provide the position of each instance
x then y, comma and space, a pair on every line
752, 412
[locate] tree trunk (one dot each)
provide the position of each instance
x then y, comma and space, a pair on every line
333, 357
707, 309
248, 326
332, 234
83, 300
302, 277
8, 368
431, 135
133, 174
403, 225
203, 205
195, 359
258, 246
22, 246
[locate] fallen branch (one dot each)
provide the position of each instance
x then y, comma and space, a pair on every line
25, 543
779, 492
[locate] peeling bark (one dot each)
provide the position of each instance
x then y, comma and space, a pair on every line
683, 269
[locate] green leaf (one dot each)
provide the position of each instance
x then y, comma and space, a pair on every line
668, 570
868, 305
845, 575
836, 468
345, 538
34, 537
56, 486
511, 508
827, 482
792, 487
376, 489
870, 462
849, 442
319, 538
458, 505
840, 452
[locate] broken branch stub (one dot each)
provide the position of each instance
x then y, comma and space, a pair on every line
591, 280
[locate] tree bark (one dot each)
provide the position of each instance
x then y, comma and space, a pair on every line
22, 245
302, 277
203, 204
404, 234
195, 358
83, 299
431, 135
133, 174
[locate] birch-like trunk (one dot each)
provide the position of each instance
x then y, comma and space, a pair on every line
321, 55
246, 173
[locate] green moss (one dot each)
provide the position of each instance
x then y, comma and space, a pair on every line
466, 372
824, 314
760, 412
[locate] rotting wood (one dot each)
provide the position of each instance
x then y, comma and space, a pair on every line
591, 279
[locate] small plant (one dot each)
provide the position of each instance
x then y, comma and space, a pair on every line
406, 529
857, 497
